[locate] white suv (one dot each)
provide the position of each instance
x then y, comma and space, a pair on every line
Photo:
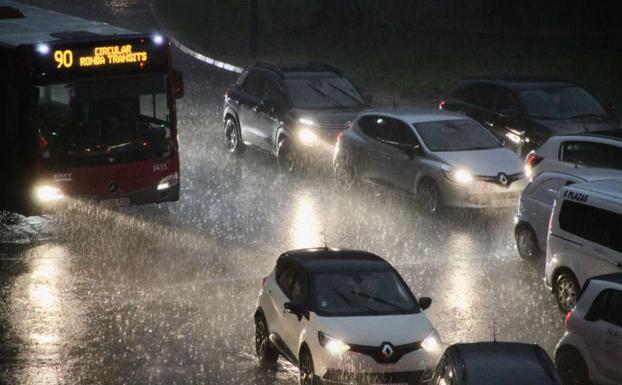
590, 352
344, 316
561, 152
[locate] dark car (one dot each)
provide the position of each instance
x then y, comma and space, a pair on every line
293, 111
524, 111
495, 363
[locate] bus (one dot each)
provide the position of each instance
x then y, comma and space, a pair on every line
87, 112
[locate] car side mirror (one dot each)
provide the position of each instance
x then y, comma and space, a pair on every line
611, 108
425, 302
178, 84
269, 106
294, 308
411, 150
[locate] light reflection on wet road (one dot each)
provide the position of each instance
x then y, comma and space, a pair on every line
166, 294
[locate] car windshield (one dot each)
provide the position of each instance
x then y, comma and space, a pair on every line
361, 294
105, 120
455, 135
560, 103
323, 92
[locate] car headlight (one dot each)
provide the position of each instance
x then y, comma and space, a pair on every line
333, 345
307, 137
48, 194
458, 175
168, 181
432, 343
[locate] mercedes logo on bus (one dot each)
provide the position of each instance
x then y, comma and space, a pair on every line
503, 179
112, 187
387, 350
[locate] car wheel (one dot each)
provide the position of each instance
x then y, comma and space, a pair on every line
571, 368
233, 141
344, 175
286, 157
429, 197
566, 291
527, 243
307, 374
266, 352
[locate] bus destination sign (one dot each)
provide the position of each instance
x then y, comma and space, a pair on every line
108, 55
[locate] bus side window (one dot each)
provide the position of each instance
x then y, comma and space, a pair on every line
9, 118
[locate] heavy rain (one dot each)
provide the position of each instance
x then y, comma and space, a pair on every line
166, 293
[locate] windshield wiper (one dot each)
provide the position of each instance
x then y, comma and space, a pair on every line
346, 93
349, 301
378, 299
325, 96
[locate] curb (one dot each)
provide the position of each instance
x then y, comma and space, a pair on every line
189, 51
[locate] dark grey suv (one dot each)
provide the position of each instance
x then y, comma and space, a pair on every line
293, 111
524, 111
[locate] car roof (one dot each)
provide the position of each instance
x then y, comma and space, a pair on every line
610, 189
519, 81
611, 135
293, 70
414, 115
588, 174
508, 363
325, 260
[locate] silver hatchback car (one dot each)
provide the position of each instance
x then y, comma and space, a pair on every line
440, 158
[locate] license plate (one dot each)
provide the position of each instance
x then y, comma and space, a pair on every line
118, 202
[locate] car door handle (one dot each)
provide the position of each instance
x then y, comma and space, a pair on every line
618, 264
255, 108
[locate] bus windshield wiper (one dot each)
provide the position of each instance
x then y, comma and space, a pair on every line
378, 299
325, 96
346, 93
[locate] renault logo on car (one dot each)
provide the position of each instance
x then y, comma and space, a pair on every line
387, 350
503, 179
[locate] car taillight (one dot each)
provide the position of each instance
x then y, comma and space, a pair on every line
263, 282
567, 319
441, 105
533, 160
340, 136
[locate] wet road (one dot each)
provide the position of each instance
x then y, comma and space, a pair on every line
165, 294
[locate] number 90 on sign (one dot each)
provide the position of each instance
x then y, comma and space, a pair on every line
63, 58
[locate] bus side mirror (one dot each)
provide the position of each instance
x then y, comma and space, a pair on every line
178, 83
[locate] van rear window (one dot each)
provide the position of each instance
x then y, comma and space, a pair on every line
592, 223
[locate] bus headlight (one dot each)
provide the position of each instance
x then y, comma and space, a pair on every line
168, 181
48, 194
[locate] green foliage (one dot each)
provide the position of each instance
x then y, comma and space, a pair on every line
412, 64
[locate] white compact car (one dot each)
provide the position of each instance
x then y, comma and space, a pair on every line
561, 152
590, 352
584, 238
344, 316
536, 203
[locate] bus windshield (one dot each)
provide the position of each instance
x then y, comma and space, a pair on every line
104, 121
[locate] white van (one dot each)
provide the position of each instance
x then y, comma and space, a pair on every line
584, 239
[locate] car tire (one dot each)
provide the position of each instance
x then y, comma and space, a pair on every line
527, 243
286, 157
344, 175
307, 372
266, 352
429, 197
566, 291
233, 139
572, 368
